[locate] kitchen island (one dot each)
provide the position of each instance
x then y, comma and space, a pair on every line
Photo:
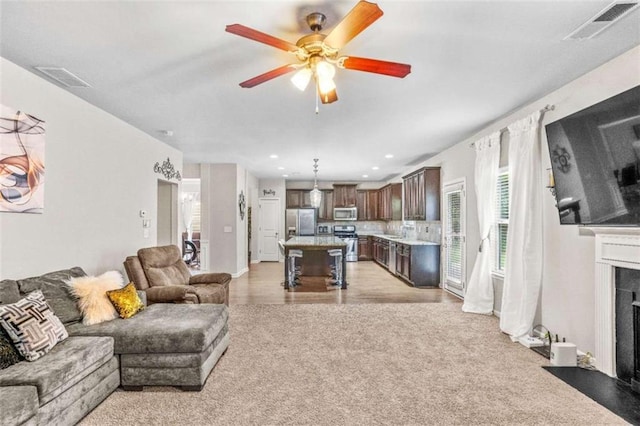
315, 259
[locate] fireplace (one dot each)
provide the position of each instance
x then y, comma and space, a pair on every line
616, 248
627, 315
635, 381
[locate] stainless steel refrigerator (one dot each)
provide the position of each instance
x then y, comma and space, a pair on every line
300, 222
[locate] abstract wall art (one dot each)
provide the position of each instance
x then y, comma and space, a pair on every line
21, 162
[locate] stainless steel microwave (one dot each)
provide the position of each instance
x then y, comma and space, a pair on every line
345, 213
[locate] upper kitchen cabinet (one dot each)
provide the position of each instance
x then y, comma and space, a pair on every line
367, 204
298, 198
344, 196
390, 202
422, 194
325, 211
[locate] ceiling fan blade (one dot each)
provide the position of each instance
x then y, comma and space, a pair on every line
261, 37
269, 75
330, 97
357, 20
376, 66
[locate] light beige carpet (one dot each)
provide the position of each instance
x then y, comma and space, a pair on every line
364, 364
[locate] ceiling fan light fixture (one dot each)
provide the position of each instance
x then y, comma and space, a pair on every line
301, 78
326, 85
324, 70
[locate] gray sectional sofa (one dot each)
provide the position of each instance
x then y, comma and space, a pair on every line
163, 345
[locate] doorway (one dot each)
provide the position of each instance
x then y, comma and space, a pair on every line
268, 229
167, 213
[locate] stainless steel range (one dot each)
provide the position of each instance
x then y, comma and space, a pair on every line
347, 233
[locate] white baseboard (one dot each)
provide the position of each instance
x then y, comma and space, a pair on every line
496, 313
255, 261
240, 272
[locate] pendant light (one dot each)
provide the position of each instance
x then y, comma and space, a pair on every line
315, 195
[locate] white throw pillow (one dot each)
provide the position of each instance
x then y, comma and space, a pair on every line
92, 296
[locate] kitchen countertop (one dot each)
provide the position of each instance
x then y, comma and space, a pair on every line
316, 241
406, 241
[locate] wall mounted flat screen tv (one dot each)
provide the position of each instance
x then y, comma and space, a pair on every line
595, 159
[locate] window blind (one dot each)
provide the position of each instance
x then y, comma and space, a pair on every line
454, 240
502, 220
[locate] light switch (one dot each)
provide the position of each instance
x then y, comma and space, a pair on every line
228, 229
143, 213
146, 223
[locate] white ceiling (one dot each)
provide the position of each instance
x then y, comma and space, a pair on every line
162, 65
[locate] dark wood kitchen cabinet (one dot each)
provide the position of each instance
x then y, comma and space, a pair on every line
390, 202
344, 195
294, 198
381, 251
367, 204
325, 211
365, 247
419, 265
421, 191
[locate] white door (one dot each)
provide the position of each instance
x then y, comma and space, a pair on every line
454, 246
269, 228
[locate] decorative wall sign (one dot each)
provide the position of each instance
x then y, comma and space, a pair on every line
270, 192
561, 156
21, 162
167, 170
242, 204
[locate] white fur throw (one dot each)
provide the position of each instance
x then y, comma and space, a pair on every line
92, 296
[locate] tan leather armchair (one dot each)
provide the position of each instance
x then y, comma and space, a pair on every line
162, 274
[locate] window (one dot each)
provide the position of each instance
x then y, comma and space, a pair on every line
454, 237
501, 226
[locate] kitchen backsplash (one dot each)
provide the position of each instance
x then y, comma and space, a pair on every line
416, 230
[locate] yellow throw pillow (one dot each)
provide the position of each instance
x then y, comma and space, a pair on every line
126, 301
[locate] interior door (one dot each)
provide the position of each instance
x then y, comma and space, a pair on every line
454, 244
269, 228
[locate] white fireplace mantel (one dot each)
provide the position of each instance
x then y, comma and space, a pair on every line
615, 248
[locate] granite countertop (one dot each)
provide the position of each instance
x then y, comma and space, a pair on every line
317, 241
406, 241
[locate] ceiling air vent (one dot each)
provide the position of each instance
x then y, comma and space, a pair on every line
603, 20
63, 77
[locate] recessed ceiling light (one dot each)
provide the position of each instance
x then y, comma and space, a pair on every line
167, 132
273, 156
285, 175
375, 168
365, 176
280, 168
388, 156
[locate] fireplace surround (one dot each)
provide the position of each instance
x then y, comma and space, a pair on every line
615, 248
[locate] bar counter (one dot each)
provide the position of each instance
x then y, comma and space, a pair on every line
315, 259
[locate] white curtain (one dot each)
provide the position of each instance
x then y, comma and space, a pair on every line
523, 268
478, 297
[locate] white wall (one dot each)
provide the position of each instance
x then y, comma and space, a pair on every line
253, 185
99, 175
567, 299
220, 186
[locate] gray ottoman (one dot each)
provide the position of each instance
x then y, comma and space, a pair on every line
166, 344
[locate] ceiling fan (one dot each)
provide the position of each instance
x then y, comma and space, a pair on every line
318, 54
